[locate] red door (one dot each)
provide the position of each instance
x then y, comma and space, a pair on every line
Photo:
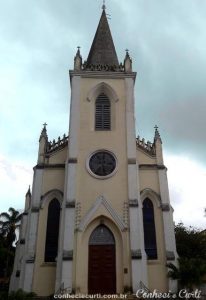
102, 264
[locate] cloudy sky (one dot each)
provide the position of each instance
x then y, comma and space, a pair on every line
167, 41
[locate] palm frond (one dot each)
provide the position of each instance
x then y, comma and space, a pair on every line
5, 215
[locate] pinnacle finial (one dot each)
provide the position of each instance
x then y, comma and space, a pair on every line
157, 134
103, 6
78, 60
78, 49
127, 62
28, 192
43, 132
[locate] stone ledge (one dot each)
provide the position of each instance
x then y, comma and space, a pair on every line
67, 255
152, 166
72, 160
170, 255
165, 207
133, 203
35, 209
70, 204
132, 161
136, 254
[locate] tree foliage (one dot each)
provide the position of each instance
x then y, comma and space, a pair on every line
191, 248
9, 223
191, 242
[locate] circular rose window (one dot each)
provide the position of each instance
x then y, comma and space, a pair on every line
102, 163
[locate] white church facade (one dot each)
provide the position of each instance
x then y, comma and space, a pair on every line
99, 218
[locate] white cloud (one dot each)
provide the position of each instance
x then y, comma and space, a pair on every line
187, 180
15, 178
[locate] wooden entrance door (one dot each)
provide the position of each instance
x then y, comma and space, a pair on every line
102, 262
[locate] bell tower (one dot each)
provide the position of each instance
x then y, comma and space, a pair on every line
102, 171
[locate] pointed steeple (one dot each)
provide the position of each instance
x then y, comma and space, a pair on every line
102, 55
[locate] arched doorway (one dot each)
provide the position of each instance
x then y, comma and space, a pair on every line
102, 262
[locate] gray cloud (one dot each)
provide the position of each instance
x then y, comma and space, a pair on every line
167, 42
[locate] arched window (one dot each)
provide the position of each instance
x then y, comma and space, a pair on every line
102, 113
52, 231
149, 229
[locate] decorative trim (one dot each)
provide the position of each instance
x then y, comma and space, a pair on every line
78, 214
101, 200
72, 160
35, 209
165, 207
132, 161
136, 254
48, 166
125, 213
152, 195
102, 87
22, 241
52, 191
70, 204
25, 213
170, 255
102, 74
133, 203
152, 166
48, 196
67, 255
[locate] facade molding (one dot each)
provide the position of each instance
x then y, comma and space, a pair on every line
103, 75
49, 166
152, 195
50, 195
102, 87
101, 200
152, 166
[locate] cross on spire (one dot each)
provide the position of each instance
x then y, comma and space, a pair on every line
45, 124
103, 6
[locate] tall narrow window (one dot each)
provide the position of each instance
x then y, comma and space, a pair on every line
102, 113
52, 231
149, 229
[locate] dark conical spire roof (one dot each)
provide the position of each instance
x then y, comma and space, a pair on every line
102, 51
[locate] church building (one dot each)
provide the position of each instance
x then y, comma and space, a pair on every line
98, 219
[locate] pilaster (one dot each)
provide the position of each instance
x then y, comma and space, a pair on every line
31, 234
169, 234
138, 256
66, 248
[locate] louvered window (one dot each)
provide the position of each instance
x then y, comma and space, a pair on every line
102, 113
149, 229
